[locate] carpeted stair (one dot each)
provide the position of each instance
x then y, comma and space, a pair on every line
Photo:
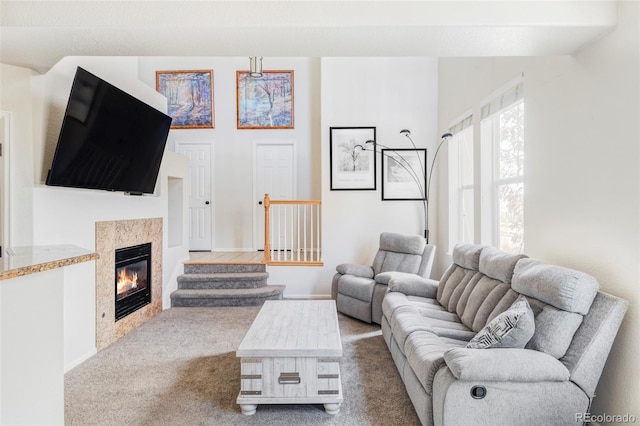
215, 284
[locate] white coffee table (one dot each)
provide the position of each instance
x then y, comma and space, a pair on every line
290, 355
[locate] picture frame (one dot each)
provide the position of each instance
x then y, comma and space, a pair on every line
189, 97
352, 160
265, 102
404, 174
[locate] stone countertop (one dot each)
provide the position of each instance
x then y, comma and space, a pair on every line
20, 261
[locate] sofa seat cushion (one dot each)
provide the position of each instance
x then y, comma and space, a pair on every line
393, 300
453, 331
425, 355
405, 321
445, 323
356, 287
435, 311
454, 343
511, 329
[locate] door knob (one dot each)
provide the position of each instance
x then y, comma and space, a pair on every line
206, 202
260, 202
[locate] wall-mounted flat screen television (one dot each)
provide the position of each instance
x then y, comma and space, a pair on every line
109, 139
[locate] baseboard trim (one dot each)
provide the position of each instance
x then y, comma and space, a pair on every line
307, 296
240, 250
80, 360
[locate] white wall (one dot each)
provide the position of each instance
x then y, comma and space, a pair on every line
390, 94
233, 200
43, 215
16, 84
582, 179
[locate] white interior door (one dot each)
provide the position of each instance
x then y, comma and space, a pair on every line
200, 200
274, 176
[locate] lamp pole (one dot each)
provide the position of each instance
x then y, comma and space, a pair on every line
444, 138
404, 163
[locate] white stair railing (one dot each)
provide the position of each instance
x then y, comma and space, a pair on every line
292, 232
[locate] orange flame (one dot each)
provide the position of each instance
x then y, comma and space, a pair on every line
126, 280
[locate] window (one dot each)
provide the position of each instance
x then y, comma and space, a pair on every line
461, 182
502, 164
486, 188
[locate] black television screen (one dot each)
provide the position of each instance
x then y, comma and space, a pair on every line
109, 139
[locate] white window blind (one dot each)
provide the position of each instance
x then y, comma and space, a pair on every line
502, 98
461, 123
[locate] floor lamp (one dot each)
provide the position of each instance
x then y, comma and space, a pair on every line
415, 174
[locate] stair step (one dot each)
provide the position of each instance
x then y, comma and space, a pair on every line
222, 280
212, 268
226, 297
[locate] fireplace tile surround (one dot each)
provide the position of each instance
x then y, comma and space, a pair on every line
112, 235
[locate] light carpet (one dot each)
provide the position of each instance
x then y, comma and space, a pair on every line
180, 368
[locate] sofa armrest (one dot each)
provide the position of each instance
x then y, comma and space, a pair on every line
506, 365
363, 271
414, 285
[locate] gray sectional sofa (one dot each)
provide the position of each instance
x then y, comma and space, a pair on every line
501, 339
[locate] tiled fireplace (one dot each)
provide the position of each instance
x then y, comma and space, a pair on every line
128, 276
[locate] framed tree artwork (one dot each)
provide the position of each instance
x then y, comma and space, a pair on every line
352, 159
189, 97
264, 102
404, 174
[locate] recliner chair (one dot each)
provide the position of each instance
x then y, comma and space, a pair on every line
359, 289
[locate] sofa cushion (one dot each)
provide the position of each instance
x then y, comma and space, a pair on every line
561, 287
414, 285
424, 351
479, 300
467, 255
386, 277
355, 269
507, 365
399, 252
452, 284
357, 287
554, 329
391, 261
400, 243
511, 329
405, 321
498, 264
446, 327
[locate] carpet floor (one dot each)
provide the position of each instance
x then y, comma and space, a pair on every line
180, 368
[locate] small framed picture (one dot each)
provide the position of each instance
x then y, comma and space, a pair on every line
404, 174
189, 97
352, 154
264, 102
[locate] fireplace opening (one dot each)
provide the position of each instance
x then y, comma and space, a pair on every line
133, 279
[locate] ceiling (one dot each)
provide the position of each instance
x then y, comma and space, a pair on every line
37, 34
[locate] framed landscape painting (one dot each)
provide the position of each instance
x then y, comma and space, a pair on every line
265, 102
403, 174
189, 97
352, 159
